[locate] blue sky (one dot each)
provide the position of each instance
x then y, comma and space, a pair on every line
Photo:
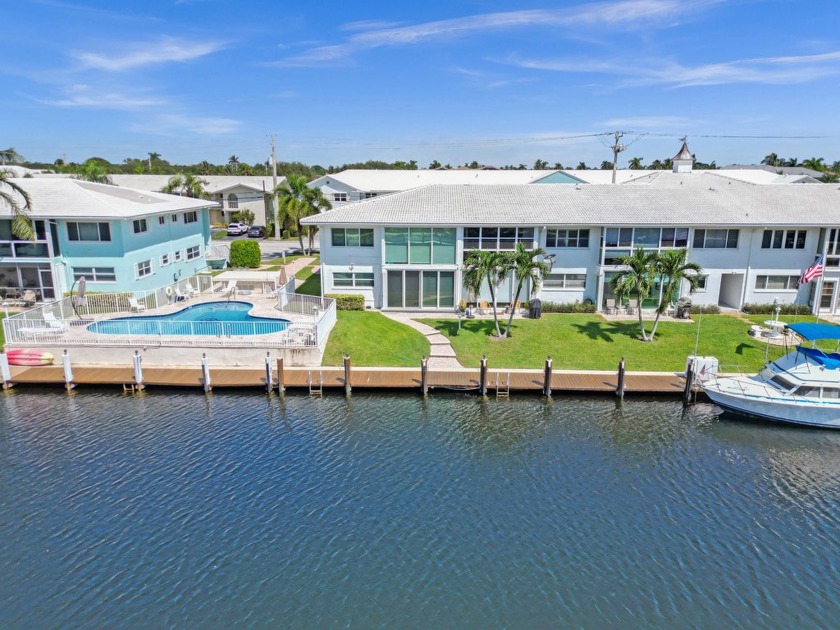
455, 80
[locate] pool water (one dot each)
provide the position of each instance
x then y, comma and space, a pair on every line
212, 318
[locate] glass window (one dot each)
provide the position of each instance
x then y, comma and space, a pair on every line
340, 196
77, 231
164, 260
193, 252
144, 268
395, 288
161, 220
646, 237
363, 279
420, 241
800, 239
472, 238
352, 238
716, 239
446, 289
777, 283
443, 246
341, 279
338, 237
190, 217
94, 274
778, 236
396, 246
489, 238
140, 226
567, 238
366, 237
430, 289
412, 289
507, 238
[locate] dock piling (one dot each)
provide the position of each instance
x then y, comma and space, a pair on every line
68, 371
281, 376
347, 386
137, 360
205, 372
5, 372
269, 385
619, 390
424, 381
689, 382
482, 377
547, 378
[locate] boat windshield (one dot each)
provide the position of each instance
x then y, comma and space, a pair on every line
782, 383
808, 391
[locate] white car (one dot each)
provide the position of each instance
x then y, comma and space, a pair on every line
237, 229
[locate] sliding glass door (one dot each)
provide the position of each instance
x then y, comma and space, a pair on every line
421, 289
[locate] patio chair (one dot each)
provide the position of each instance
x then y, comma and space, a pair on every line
180, 297
191, 290
28, 298
135, 306
483, 307
610, 306
54, 324
632, 305
512, 307
229, 289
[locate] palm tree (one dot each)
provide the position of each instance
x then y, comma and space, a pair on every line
486, 266
152, 157
771, 159
93, 171
297, 201
18, 200
636, 164
814, 163
524, 264
673, 267
187, 185
233, 163
10, 155
636, 278
581, 166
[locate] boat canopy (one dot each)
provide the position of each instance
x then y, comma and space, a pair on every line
816, 331
829, 361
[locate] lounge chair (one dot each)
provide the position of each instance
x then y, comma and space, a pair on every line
230, 289
191, 290
135, 306
483, 307
28, 298
54, 324
180, 297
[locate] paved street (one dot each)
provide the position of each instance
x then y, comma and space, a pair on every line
270, 248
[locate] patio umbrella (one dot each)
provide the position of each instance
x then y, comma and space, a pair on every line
79, 299
283, 277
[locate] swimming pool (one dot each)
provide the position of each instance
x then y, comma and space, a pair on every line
213, 318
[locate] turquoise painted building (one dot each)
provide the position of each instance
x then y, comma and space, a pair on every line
119, 239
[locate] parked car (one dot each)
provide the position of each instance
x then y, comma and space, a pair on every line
256, 231
237, 229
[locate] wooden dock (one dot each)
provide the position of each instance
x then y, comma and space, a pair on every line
333, 378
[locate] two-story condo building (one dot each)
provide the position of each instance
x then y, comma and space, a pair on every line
406, 250
119, 239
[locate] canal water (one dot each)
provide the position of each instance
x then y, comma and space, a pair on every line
236, 510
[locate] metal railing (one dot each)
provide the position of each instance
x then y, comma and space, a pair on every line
71, 322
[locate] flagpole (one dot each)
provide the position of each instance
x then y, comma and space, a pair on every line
818, 298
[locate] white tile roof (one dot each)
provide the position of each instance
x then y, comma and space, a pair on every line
215, 183
395, 180
697, 199
61, 198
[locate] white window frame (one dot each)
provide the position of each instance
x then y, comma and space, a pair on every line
95, 274
193, 252
559, 282
353, 279
139, 267
177, 255
164, 260
191, 217
140, 226
161, 220
340, 196
98, 225
792, 283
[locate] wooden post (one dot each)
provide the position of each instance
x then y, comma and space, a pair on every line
5, 372
547, 379
347, 387
205, 372
269, 385
424, 382
482, 376
68, 371
689, 382
619, 391
138, 371
281, 375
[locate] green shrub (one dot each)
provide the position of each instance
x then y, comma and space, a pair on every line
567, 307
245, 254
244, 216
769, 309
705, 309
348, 301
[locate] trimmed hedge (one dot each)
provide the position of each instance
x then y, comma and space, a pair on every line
768, 309
705, 309
568, 307
245, 254
348, 301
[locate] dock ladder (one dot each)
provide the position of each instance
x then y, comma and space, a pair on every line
316, 389
502, 390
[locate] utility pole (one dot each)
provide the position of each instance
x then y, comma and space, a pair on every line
277, 227
617, 148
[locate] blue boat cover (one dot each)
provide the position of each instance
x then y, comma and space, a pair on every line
830, 361
816, 331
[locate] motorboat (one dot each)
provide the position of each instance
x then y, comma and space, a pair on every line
802, 387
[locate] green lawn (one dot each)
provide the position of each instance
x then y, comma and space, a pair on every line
311, 280
589, 342
371, 339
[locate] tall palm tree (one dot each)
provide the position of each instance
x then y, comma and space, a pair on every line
187, 185
814, 163
153, 157
636, 164
771, 159
636, 278
490, 267
673, 268
233, 163
18, 200
297, 201
524, 264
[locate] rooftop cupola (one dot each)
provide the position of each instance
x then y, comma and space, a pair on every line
684, 160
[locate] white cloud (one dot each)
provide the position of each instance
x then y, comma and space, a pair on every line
621, 13
168, 124
86, 96
164, 50
489, 81
769, 70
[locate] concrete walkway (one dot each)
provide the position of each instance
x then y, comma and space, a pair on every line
442, 355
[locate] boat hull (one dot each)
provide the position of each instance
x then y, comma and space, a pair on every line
788, 411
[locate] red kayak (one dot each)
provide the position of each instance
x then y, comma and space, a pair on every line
25, 356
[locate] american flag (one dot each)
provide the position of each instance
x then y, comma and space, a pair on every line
814, 271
